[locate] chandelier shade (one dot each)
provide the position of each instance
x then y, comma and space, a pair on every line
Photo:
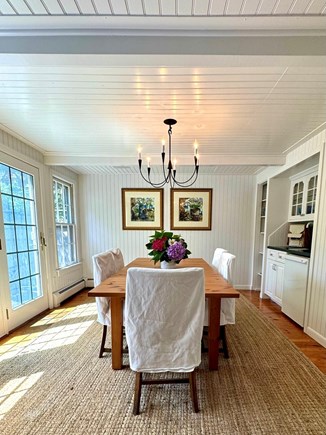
170, 170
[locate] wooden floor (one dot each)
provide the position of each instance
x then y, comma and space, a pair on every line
315, 352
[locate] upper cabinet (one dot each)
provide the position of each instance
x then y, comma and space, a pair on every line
303, 195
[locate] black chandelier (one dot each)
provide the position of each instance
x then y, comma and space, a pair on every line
170, 172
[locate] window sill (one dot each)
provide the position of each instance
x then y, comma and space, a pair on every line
69, 268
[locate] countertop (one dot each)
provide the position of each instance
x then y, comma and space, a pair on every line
302, 252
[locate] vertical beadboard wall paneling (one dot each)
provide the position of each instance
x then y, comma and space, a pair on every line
232, 217
315, 315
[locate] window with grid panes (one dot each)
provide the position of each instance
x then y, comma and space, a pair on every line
65, 227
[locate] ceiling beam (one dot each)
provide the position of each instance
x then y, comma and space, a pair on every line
165, 45
207, 160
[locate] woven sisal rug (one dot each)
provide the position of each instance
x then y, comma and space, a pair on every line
58, 385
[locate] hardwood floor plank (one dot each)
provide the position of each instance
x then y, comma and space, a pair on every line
313, 350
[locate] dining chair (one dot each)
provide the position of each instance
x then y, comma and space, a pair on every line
217, 257
227, 304
105, 264
223, 263
164, 315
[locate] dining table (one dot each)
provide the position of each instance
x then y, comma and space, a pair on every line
216, 288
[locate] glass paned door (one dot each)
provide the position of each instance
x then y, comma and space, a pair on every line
21, 255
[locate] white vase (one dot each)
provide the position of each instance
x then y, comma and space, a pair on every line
168, 264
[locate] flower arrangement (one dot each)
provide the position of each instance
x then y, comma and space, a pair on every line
166, 246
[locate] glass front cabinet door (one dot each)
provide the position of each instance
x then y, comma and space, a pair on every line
303, 195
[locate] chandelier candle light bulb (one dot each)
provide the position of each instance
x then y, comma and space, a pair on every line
169, 172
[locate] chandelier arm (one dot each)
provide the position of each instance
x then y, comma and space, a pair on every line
148, 179
187, 185
180, 183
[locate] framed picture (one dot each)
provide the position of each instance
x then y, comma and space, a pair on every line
191, 209
142, 209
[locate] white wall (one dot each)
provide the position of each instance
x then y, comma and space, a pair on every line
232, 222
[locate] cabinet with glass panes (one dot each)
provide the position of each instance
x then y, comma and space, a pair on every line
303, 195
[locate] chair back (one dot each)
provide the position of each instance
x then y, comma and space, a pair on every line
227, 304
226, 266
164, 315
105, 264
217, 257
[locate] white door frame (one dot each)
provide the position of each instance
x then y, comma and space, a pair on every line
5, 301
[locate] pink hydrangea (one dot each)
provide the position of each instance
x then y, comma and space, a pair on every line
158, 244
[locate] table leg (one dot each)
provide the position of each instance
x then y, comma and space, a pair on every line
214, 309
116, 332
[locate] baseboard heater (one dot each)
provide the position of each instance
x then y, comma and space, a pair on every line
66, 292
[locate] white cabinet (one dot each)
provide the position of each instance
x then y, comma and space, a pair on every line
303, 195
275, 275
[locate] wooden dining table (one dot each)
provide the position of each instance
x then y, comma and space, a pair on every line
216, 288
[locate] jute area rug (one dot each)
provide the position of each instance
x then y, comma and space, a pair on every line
266, 387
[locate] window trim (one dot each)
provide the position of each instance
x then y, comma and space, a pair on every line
73, 224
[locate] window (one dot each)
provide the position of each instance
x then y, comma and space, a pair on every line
65, 227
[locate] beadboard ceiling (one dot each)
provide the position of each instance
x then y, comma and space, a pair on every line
89, 81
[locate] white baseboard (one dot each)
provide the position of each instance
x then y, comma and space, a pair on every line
60, 295
89, 282
242, 287
316, 336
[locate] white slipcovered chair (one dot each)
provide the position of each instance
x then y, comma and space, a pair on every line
227, 304
105, 264
223, 262
217, 257
164, 315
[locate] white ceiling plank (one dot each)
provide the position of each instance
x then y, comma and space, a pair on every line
119, 7
218, 7
102, 7
168, 7
151, 7
234, 7
54, 7
267, 7
300, 6
201, 7
185, 7
20, 7
135, 7
37, 7
283, 6
84, 6
71, 7
250, 7
316, 7
6, 8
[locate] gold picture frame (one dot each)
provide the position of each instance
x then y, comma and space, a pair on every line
142, 209
191, 209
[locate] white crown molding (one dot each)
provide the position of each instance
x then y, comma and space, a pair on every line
172, 23
21, 138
